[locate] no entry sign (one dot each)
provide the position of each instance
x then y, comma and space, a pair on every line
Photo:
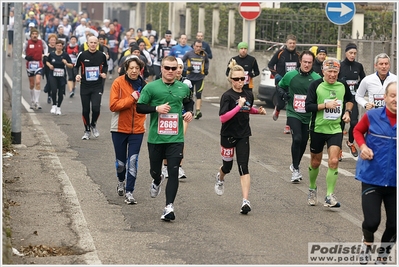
250, 10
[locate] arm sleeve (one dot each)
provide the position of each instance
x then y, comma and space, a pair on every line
360, 92
145, 109
360, 129
255, 68
272, 63
229, 114
253, 111
311, 99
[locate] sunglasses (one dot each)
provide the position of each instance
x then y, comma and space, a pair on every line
236, 79
170, 68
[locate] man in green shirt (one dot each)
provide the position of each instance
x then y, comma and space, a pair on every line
325, 99
169, 102
293, 88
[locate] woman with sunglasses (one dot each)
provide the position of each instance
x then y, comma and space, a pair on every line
235, 106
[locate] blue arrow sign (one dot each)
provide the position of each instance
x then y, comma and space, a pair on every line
340, 13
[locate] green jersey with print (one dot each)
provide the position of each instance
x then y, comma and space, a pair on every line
328, 121
165, 128
298, 85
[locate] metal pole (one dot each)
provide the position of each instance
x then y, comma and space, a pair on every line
5, 35
249, 35
339, 43
393, 43
17, 75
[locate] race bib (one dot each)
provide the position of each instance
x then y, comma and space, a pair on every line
299, 103
352, 84
33, 65
378, 100
246, 78
197, 66
92, 73
168, 124
73, 59
58, 72
227, 153
111, 43
290, 66
332, 113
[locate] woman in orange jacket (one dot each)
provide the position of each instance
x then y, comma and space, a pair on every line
127, 126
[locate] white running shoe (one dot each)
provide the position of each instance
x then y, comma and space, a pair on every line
165, 171
246, 206
312, 197
331, 201
95, 132
219, 185
53, 109
156, 189
120, 188
168, 213
129, 199
86, 136
296, 176
58, 111
182, 174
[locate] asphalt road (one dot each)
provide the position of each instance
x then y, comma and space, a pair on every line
65, 190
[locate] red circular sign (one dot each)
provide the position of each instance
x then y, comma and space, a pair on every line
250, 10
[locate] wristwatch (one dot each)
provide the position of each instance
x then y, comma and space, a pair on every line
350, 111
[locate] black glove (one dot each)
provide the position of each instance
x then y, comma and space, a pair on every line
190, 68
29, 58
206, 72
285, 97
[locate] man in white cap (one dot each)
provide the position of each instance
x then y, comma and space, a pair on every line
27, 34
80, 30
105, 27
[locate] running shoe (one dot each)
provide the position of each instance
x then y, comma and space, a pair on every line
129, 199
96, 133
245, 207
198, 115
182, 174
364, 255
156, 189
168, 213
53, 109
49, 100
32, 105
331, 201
352, 148
86, 136
340, 155
276, 113
296, 176
37, 105
287, 129
165, 171
219, 185
58, 111
312, 197
72, 93
110, 77
120, 188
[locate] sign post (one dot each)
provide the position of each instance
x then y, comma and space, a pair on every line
249, 11
340, 13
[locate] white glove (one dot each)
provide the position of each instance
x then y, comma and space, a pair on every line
188, 82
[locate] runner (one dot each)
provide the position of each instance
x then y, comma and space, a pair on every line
235, 106
56, 62
93, 64
127, 126
33, 52
325, 100
164, 99
249, 64
293, 88
197, 68
376, 170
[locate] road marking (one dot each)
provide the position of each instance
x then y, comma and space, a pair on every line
340, 170
79, 223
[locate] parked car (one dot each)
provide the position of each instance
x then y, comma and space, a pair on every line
267, 88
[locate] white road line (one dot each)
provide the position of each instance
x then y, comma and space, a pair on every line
340, 170
79, 222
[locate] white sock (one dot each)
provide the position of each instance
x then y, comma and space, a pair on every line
37, 95
32, 95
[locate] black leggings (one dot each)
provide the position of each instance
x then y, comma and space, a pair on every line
91, 97
372, 197
354, 121
173, 153
57, 85
242, 148
300, 137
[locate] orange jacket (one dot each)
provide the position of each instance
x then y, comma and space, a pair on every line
125, 118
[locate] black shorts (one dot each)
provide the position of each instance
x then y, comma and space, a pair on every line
318, 140
165, 151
